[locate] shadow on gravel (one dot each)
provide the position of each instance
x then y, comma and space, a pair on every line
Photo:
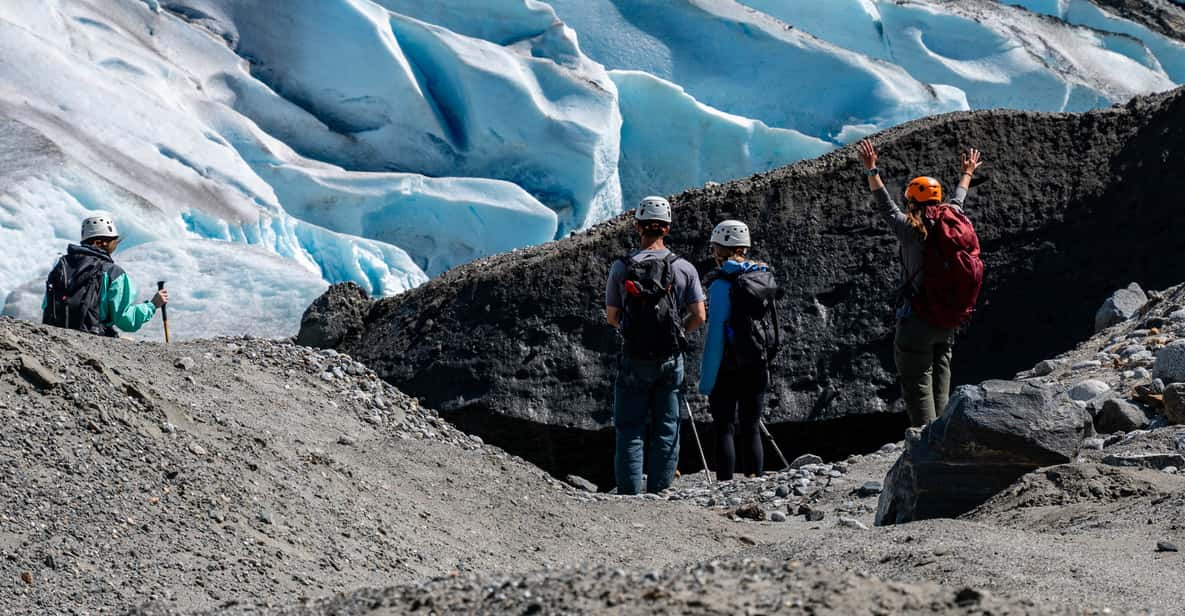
589, 453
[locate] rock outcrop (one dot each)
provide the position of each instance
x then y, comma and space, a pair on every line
990, 436
336, 318
515, 347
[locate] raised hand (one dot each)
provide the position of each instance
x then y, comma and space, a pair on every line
971, 161
868, 154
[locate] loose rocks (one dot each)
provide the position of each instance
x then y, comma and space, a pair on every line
1158, 461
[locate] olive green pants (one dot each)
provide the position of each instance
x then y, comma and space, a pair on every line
923, 357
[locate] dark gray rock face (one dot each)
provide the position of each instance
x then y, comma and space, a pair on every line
1166, 17
990, 435
1121, 306
515, 347
336, 318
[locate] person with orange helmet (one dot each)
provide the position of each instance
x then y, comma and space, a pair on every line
921, 349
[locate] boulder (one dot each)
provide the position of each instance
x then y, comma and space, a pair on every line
336, 318
804, 460
1088, 390
1170, 363
1047, 367
1174, 403
1118, 415
1121, 306
990, 435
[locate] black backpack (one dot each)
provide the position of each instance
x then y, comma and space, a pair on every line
753, 335
72, 294
651, 326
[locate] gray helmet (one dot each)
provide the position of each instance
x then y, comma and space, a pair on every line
731, 233
653, 208
98, 226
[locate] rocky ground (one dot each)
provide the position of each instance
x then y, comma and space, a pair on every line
249, 476
239, 470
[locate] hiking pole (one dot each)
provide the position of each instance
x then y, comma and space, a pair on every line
698, 444
765, 431
164, 311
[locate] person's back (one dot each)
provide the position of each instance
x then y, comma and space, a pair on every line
734, 369
924, 337
88, 292
652, 297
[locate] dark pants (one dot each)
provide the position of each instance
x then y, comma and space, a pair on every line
923, 354
737, 400
646, 396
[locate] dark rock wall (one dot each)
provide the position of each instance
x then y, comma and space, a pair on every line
1074, 206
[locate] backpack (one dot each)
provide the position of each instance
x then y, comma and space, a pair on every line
651, 326
752, 334
72, 294
953, 271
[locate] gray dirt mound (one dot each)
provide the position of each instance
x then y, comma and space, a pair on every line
753, 586
1074, 484
242, 469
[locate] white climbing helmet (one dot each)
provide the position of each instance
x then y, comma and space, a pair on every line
653, 208
731, 233
98, 226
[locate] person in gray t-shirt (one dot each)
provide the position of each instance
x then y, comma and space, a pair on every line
921, 351
649, 381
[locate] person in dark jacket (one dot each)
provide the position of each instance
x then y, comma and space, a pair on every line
736, 395
922, 352
113, 303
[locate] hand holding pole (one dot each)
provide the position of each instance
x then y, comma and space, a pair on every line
164, 310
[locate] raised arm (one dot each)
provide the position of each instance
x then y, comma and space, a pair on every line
970, 162
884, 200
868, 156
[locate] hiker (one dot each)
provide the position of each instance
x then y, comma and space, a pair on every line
653, 297
734, 370
87, 291
935, 301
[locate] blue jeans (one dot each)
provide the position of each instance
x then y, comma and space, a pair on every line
646, 395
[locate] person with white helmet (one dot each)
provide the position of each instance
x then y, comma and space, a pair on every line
734, 369
88, 292
653, 297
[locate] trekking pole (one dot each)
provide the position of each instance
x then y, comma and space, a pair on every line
765, 431
164, 311
700, 446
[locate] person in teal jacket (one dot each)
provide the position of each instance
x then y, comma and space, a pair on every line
87, 291
734, 393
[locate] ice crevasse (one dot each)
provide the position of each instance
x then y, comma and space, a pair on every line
254, 152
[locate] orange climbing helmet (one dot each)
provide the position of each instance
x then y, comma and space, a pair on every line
924, 190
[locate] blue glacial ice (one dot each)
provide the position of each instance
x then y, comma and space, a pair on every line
249, 143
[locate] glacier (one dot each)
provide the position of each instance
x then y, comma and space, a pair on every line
254, 152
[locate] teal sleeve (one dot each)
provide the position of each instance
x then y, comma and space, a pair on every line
718, 309
126, 313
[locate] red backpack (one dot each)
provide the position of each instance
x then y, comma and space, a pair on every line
952, 270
